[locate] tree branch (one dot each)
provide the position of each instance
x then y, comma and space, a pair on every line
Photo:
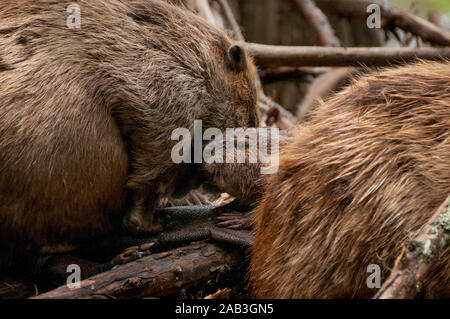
265, 102
156, 275
418, 257
204, 10
390, 18
229, 17
270, 56
440, 20
325, 34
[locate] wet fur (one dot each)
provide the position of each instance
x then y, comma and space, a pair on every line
367, 170
86, 115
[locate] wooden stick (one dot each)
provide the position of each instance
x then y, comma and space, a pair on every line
416, 260
325, 34
275, 56
390, 18
156, 275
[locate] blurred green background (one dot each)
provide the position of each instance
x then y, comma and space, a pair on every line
422, 7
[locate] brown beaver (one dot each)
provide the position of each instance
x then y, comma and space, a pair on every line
325, 86
367, 170
86, 114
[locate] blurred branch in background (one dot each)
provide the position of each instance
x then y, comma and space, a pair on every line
439, 19
283, 63
229, 17
390, 17
325, 34
265, 102
205, 11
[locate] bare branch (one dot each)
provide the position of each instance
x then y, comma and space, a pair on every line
275, 56
390, 18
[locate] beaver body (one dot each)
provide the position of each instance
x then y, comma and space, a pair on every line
86, 114
367, 170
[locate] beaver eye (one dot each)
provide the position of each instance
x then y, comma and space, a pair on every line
236, 58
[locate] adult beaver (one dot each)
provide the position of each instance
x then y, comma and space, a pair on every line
90, 95
369, 168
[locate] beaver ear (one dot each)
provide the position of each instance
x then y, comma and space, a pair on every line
236, 58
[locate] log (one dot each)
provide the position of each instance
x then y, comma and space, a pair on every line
418, 257
156, 275
271, 56
390, 18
